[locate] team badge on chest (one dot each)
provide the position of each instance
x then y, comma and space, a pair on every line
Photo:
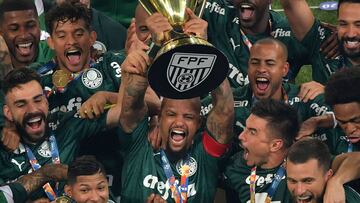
192, 165
92, 78
44, 149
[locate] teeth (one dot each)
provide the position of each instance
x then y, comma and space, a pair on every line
178, 132
352, 43
34, 120
245, 6
72, 51
261, 79
304, 198
25, 45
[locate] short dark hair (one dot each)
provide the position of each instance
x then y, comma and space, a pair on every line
270, 40
18, 77
345, 1
84, 166
343, 87
68, 11
282, 119
310, 148
16, 5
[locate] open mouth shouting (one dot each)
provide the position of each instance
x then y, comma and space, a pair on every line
262, 85
352, 43
73, 56
177, 138
247, 11
307, 197
34, 123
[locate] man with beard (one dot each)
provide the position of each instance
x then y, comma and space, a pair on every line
42, 141
257, 173
267, 66
235, 25
74, 78
19, 26
308, 30
308, 172
186, 166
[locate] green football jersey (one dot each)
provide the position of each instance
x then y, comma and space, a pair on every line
122, 11
322, 67
13, 192
105, 75
143, 173
243, 101
68, 131
337, 142
224, 34
237, 180
45, 53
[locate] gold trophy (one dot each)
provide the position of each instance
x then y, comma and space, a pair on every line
186, 66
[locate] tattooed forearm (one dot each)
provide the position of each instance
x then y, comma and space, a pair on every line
220, 119
222, 131
32, 181
134, 107
36, 179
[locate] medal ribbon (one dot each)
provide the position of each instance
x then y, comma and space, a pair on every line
280, 173
46, 67
179, 195
252, 184
35, 164
246, 40
350, 146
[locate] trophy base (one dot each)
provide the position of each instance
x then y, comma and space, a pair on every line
187, 68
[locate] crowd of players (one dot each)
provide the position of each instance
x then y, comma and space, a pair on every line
84, 93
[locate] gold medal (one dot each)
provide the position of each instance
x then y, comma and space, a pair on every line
63, 199
60, 79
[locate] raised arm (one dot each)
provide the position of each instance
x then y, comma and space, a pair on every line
221, 117
346, 168
299, 16
134, 86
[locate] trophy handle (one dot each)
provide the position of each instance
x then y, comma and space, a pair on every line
149, 8
200, 8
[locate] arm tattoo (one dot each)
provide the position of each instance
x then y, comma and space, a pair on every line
32, 181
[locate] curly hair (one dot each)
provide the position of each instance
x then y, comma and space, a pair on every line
343, 87
68, 11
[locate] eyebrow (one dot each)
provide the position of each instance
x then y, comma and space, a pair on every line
24, 100
349, 120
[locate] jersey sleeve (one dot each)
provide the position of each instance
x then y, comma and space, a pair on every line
314, 38
351, 195
315, 107
13, 192
137, 140
81, 128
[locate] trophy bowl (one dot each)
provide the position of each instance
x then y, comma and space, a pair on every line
186, 66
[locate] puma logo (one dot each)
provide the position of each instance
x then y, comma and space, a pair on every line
17, 163
232, 41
